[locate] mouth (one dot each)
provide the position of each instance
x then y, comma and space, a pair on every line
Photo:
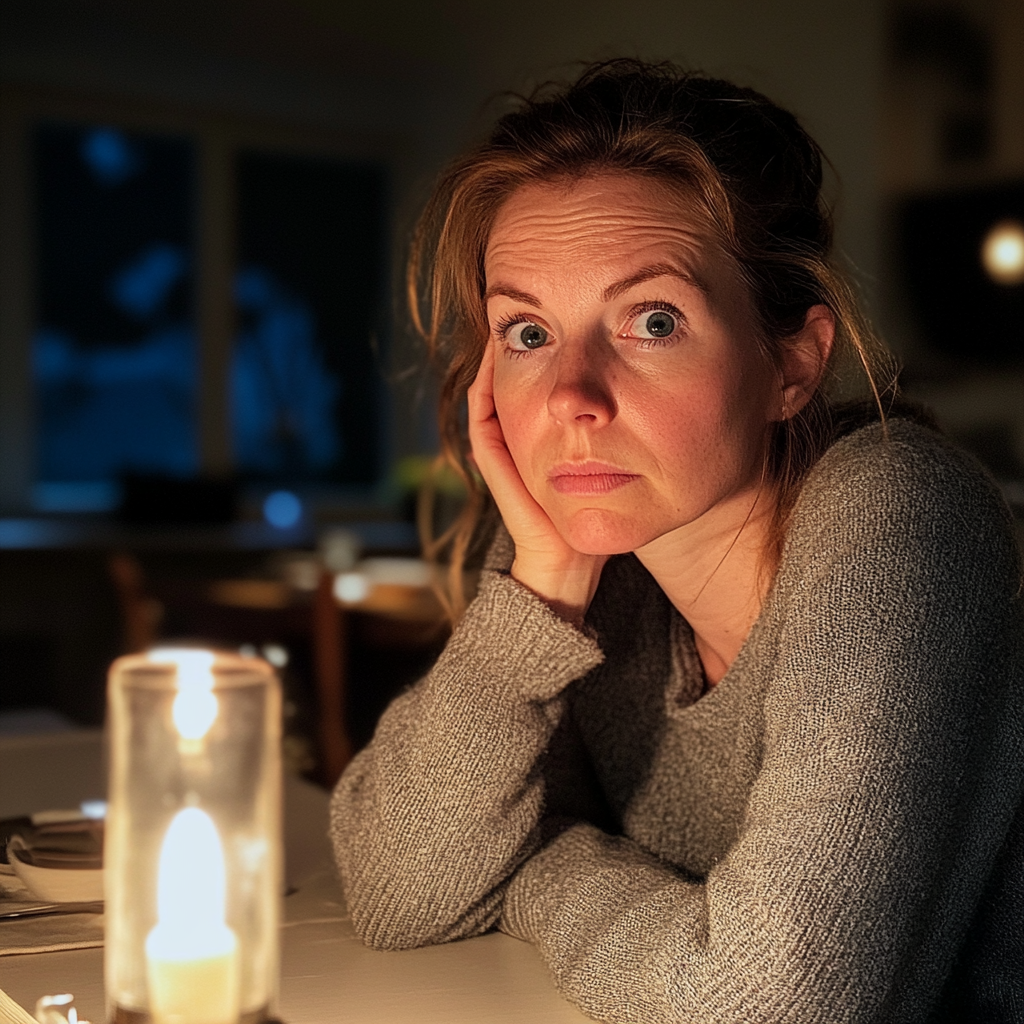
589, 477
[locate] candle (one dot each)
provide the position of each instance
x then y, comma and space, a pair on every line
191, 954
193, 839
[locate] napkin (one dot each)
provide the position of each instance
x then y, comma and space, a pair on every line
43, 934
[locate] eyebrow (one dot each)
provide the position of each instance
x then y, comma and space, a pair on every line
512, 293
613, 291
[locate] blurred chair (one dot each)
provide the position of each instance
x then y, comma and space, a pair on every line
369, 647
360, 653
140, 614
330, 649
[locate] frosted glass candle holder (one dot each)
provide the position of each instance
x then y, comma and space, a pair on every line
192, 858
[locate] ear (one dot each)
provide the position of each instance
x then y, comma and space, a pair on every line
804, 357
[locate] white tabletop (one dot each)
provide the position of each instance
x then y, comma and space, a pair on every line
327, 975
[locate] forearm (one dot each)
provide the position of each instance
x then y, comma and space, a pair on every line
867, 839
599, 908
431, 820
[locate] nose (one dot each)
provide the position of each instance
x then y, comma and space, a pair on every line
582, 392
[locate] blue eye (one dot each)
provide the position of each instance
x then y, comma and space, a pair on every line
655, 324
528, 336
660, 324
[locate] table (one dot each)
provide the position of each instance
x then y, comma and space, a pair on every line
327, 975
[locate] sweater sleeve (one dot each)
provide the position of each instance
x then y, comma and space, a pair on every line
890, 770
431, 820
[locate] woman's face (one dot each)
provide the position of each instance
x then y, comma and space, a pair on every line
628, 381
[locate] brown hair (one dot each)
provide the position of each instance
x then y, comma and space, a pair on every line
748, 171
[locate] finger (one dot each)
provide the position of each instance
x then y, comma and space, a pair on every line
481, 392
486, 437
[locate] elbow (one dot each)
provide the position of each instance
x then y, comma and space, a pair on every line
389, 915
375, 922
381, 935
377, 914
399, 923
385, 913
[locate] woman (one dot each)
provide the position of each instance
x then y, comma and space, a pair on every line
733, 729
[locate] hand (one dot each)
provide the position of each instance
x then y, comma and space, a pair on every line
558, 574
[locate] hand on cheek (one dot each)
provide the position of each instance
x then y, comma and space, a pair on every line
559, 575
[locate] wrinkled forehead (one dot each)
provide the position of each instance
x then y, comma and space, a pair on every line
598, 219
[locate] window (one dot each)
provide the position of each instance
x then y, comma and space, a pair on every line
120, 365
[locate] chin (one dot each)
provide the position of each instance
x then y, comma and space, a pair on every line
594, 531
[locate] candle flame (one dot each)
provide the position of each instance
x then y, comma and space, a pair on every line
191, 888
192, 956
195, 707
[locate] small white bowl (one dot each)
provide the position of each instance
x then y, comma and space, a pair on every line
59, 885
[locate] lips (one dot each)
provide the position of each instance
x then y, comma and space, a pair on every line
589, 477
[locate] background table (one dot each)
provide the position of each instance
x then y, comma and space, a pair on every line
327, 975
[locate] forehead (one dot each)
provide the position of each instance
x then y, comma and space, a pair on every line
604, 218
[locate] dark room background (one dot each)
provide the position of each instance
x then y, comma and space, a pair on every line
205, 208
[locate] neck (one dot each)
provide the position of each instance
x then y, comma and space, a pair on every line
710, 571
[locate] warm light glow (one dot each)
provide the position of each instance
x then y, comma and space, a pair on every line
191, 954
194, 712
1002, 252
191, 886
351, 587
276, 655
195, 707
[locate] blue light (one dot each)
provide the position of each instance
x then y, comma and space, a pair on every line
282, 510
143, 286
94, 809
110, 156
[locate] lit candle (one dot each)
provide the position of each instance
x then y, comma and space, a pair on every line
193, 847
191, 954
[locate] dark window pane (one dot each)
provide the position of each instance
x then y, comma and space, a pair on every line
306, 393
114, 350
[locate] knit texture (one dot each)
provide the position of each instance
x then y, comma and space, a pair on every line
833, 833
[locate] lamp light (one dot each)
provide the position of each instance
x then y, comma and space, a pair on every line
193, 862
1002, 252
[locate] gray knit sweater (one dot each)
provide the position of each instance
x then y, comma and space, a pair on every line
834, 833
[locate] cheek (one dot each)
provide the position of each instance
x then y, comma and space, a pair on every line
675, 414
704, 424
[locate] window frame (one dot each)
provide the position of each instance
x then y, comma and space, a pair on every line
218, 136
